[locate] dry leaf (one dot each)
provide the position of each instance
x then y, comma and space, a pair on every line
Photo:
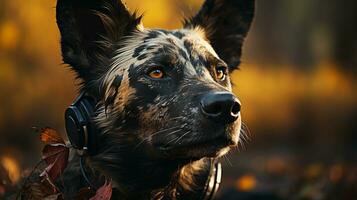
51, 136
55, 154
56, 158
104, 192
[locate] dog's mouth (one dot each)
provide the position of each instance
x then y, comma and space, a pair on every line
196, 139
203, 147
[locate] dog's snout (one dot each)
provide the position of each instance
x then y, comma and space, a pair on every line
222, 107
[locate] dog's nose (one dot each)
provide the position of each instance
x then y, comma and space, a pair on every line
222, 107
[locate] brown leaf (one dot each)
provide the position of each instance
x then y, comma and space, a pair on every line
50, 136
104, 192
56, 158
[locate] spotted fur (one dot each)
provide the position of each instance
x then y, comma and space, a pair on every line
153, 141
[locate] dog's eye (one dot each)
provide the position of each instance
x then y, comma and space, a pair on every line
221, 73
156, 73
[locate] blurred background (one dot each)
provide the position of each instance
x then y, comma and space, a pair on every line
297, 84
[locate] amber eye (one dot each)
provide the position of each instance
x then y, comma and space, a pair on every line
156, 74
221, 73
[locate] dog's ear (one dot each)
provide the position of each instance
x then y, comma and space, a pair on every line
226, 24
90, 29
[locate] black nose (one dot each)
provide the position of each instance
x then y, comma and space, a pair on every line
222, 107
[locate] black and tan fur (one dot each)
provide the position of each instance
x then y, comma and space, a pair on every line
153, 140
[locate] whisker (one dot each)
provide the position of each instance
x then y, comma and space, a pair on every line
178, 117
246, 130
164, 130
244, 136
179, 138
179, 128
227, 160
158, 132
173, 132
242, 145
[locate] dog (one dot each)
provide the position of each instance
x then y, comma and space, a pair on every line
163, 102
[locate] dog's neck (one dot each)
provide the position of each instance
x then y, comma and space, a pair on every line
135, 174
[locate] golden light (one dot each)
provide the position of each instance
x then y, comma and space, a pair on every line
12, 167
8, 35
246, 183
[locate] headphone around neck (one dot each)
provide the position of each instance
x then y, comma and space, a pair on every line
78, 121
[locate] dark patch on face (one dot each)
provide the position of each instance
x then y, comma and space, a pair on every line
165, 49
188, 45
183, 54
178, 34
166, 32
142, 56
194, 61
151, 47
203, 60
138, 50
115, 85
152, 35
171, 41
164, 59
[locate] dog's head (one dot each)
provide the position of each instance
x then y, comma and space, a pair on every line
167, 92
